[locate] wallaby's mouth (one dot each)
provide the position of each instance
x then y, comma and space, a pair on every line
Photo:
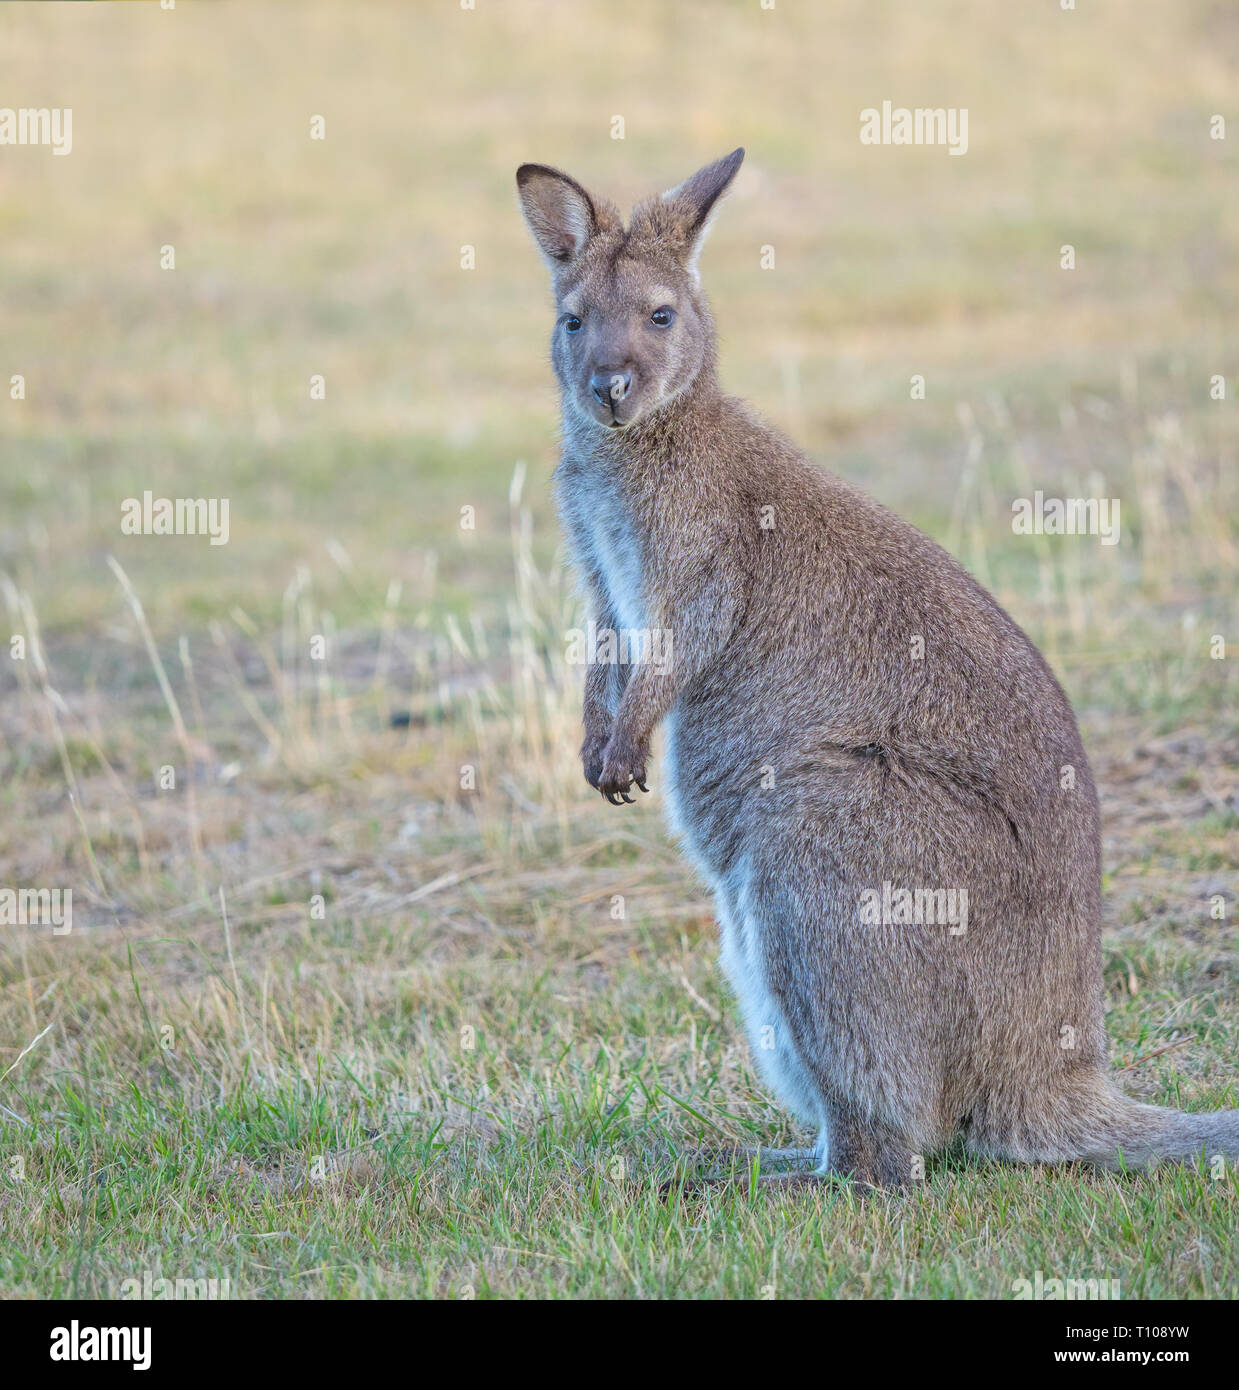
611, 421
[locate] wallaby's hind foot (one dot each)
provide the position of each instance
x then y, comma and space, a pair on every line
726, 1166
772, 1184
725, 1157
769, 1184
865, 1152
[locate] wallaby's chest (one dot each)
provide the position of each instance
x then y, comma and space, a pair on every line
608, 542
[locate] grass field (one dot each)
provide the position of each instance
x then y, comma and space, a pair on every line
380, 999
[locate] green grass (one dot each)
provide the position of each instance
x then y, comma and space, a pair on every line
486, 1091
474, 1073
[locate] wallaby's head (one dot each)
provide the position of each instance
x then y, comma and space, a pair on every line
632, 330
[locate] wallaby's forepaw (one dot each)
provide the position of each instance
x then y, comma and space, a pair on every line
591, 758
623, 766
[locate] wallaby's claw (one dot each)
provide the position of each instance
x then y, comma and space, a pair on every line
623, 765
642, 785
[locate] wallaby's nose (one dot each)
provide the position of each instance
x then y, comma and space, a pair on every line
610, 387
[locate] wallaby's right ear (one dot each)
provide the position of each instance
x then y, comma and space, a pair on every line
561, 215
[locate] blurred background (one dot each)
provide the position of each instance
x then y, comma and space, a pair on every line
342, 257
343, 780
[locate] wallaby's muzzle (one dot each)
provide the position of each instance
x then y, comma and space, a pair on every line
609, 388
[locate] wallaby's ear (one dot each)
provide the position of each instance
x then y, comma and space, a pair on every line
561, 215
694, 201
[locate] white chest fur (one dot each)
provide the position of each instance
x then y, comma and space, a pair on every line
612, 547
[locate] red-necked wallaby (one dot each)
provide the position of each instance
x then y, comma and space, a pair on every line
871, 765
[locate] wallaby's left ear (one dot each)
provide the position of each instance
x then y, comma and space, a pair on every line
694, 202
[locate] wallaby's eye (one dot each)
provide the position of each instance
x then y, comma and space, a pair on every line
572, 323
663, 316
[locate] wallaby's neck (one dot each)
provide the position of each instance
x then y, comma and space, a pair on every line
664, 435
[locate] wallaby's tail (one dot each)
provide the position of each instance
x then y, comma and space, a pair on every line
1135, 1135
1094, 1122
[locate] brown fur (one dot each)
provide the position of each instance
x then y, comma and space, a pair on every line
846, 707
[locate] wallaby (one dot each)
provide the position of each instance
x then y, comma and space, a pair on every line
853, 732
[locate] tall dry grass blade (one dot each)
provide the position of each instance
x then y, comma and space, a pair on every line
178, 723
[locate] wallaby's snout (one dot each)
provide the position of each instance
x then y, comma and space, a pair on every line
611, 386
632, 330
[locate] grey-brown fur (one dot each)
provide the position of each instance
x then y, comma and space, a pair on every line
812, 753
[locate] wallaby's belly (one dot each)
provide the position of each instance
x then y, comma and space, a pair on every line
727, 772
721, 857
710, 821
